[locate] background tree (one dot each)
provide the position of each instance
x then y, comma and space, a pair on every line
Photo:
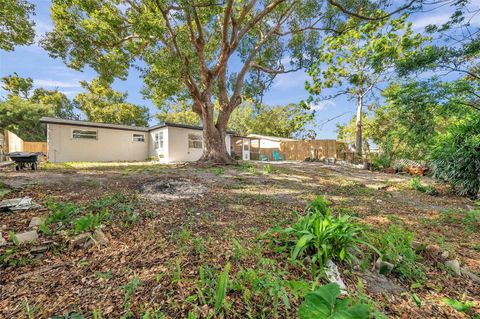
179, 112
280, 120
58, 102
16, 25
360, 58
22, 117
100, 103
186, 48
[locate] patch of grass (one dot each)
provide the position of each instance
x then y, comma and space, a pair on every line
395, 246
472, 220
416, 184
269, 169
4, 189
13, 257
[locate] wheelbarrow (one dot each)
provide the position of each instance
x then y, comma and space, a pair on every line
25, 159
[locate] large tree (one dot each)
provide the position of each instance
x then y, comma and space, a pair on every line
359, 59
59, 104
101, 103
16, 24
22, 117
200, 49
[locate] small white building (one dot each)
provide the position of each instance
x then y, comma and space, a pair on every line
82, 141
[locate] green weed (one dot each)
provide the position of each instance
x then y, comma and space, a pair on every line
324, 303
129, 290
416, 184
323, 236
395, 246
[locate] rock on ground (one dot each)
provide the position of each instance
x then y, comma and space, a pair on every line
36, 221
27, 236
454, 265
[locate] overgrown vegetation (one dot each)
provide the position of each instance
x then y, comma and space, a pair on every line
323, 236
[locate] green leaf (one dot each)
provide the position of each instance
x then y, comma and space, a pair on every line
221, 288
301, 243
458, 305
323, 303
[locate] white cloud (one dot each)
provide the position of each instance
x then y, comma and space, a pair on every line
56, 84
291, 80
425, 20
322, 105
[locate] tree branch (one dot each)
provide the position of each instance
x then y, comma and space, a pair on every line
363, 17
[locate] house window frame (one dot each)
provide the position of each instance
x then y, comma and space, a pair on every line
136, 135
195, 142
158, 140
83, 136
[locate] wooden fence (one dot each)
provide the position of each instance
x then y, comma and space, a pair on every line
12, 143
314, 149
35, 147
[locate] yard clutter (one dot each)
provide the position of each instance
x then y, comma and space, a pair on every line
18, 204
25, 159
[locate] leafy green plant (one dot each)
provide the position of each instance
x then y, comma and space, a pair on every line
395, 246
324, 303
129, 290
221, 288
416, 184
461, 306
323, 236
61, 212
264, 287
89, 222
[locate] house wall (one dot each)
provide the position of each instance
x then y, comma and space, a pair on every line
178, 150
110, 145
152, 152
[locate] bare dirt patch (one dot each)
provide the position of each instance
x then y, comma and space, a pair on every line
171, 189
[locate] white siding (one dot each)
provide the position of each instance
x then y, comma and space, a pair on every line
110, 145
178, 150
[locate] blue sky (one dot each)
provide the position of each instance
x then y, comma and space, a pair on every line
32, 61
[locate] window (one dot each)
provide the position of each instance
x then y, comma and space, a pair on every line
138, 137
78, 134
158, 140
195, 141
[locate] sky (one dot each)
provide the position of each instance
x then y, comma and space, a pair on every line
32, 61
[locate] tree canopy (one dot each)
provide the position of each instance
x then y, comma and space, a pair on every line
100, 103
357, 60
16, 24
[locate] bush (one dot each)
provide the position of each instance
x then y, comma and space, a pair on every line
455, 156
323, 236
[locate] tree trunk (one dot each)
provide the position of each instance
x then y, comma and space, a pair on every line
214, 146
359, 140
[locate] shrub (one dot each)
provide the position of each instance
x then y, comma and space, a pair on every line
324, 303
323, 236
455, 156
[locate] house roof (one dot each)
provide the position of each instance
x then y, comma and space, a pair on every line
54, 120
271, 138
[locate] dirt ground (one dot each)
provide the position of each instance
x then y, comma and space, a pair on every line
171, 239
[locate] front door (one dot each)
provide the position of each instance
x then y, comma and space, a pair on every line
246, 149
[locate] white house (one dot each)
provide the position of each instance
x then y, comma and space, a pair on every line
73, 141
